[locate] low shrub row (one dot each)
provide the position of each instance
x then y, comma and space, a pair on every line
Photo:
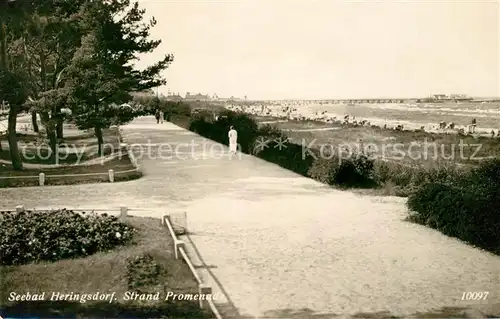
50, 236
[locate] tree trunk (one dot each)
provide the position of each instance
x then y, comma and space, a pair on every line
15, 157
34, 122
51, 135
3, 56
3, 45
59, 123
16, 160
100, 140
59, 129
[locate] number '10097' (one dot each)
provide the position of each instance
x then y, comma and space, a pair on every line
475, 295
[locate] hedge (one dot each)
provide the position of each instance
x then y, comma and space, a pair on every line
466, 207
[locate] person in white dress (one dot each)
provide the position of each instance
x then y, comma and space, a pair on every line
233, 140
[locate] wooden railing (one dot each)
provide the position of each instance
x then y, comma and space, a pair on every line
180, 252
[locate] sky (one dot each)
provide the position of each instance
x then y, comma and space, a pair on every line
310, 49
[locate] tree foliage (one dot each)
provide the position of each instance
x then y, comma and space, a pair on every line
78, 54
102, 74
147, 104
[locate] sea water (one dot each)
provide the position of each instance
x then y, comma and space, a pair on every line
414, 115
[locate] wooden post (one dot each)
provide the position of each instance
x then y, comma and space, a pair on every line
204, 291
41, 179
111, 175
178, 244
123, 211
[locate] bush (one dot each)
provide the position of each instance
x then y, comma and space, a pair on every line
407, 179
463, 206
382, 172
245, 125
50, 236
272, 132
177, 108
355, 171
200, 126
323, 170
202, 114
422, 201
287, 155
402, 191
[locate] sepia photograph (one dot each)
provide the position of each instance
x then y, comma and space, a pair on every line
249, 159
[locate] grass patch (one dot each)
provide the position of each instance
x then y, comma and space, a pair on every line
78, 147
408, 147
147, 266
72, 150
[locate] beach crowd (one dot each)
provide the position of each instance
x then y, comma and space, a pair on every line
296, 111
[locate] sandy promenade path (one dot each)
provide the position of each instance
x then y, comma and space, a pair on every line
273, 244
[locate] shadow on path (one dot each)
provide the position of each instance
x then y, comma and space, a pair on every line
227, 309
65, 309
180, 309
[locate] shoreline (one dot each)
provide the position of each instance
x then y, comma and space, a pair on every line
336, 120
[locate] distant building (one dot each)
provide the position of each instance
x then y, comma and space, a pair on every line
451, 97
197, 97
460, 97
439, 97
174, 97
222, 99
235, 99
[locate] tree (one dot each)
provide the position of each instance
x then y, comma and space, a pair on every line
12, 84
102, 75
52, 37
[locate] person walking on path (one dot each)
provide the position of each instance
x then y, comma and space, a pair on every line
162, 117
233, 140
157, 116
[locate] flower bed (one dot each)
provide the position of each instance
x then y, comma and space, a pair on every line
29, 237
